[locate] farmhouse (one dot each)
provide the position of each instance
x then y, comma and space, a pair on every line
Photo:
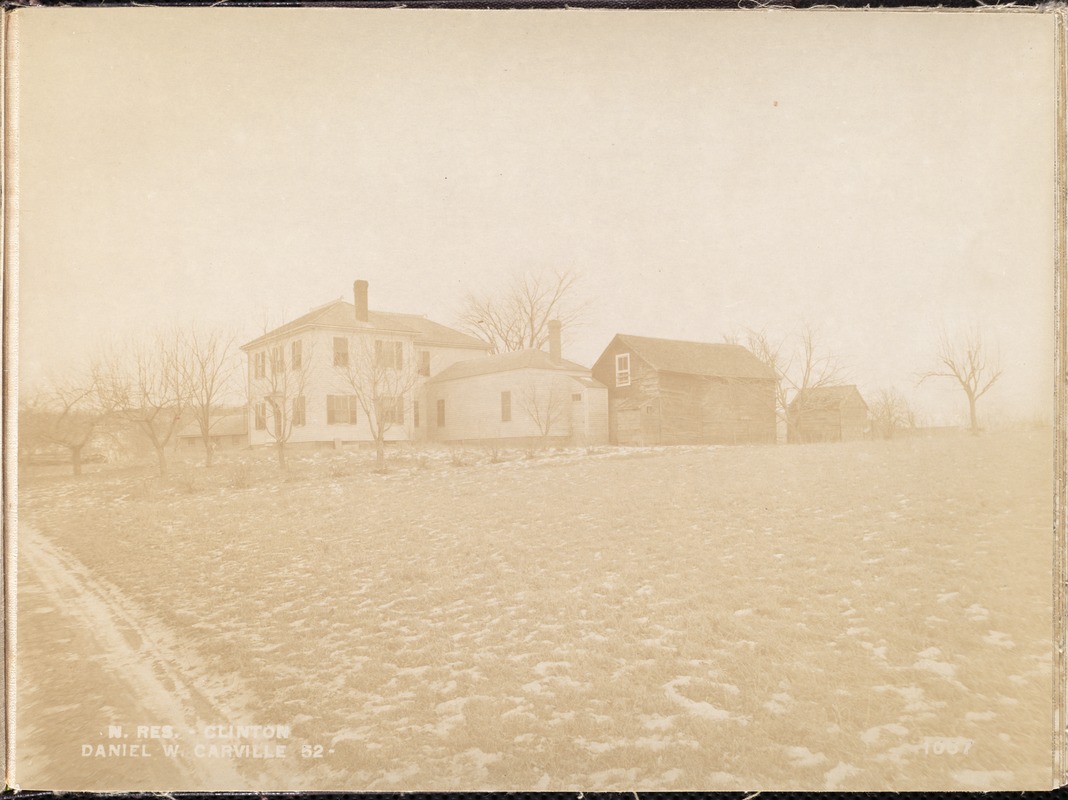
663, 391
518, 397
342, 372
827, 414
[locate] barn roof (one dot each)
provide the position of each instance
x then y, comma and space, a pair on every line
827, 397
506, 362
221, 425
697, 358
342, 315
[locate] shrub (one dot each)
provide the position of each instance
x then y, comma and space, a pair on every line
241, 476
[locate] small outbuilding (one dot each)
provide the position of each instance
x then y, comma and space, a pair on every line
828, 414
227, 431
517, 398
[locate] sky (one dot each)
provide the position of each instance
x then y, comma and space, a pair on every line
879, 176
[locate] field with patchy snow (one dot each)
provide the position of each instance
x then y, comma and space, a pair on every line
803, 617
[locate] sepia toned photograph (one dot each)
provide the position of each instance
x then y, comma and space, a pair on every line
526, 400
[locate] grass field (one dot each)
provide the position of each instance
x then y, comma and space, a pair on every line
800, 617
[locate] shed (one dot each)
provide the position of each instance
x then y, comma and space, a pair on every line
828, 414
228, 431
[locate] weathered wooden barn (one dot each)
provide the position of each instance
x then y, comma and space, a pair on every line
828, 414
664, 391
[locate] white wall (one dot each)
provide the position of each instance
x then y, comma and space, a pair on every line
321, 378
473, 405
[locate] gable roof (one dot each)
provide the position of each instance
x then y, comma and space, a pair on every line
342, 316
827, 397
712, 359
506, 362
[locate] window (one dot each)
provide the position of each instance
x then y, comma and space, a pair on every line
389, 355
441, 413
391, 410
341, 409
576, 397
623, 369
341, 351
415, 413
424, 362
506, 406
261, 416
298, 411
297, 357
260, 364
278, 363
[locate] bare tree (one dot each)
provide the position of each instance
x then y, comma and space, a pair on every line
282, 406
967, 360
547, 404
891, 412
517, 318
67, 414
146, 386
381, 376
800, 362
208, 366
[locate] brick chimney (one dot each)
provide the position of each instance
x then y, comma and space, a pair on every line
359, 297
554, 341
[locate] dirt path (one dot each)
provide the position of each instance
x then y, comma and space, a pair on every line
87, 660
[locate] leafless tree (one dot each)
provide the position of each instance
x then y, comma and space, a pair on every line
381, 376
891, 412
968, 360
281, 407
67, 413
517, 318
208, 367
146, 386
801, 362
547, 404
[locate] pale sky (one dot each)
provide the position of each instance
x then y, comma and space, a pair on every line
878, 175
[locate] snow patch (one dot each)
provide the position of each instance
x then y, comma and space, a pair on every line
699, 708
833, 777
803, 757
999, 639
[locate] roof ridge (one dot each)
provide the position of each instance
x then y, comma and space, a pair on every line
683, 341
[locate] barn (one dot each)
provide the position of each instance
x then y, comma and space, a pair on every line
828, 414
666, 391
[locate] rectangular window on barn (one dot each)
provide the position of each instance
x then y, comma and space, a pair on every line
506, 406
441, 413
278, 363
341, 409
341, 351
298, 411
424, 363
296, 355
260, 365
261, 416
623, 369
